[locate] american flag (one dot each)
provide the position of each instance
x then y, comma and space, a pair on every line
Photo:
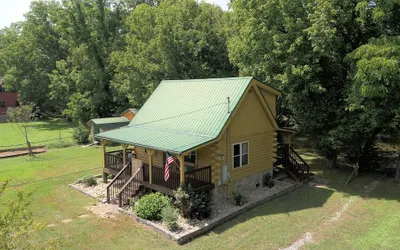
170, 160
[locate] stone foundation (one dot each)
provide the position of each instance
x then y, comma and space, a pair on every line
251, 182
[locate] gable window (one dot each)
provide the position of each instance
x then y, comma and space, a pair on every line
191, 158
2, 104
240, 154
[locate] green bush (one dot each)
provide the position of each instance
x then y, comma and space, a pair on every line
89, 181
192, 204
60, 144
170, 215
149, 206
268, 181
238, 199
81, 134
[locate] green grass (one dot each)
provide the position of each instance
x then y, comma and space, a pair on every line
41, 133
371, 222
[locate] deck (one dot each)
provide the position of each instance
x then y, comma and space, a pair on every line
126, 182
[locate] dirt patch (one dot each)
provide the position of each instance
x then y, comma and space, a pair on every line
104, 210
301, 242
51, 225
21, 151
66, 221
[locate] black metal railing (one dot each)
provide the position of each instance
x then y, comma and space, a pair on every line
114, 187
130, 188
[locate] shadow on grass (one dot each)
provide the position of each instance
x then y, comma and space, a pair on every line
301, 199
361, 185
52, 125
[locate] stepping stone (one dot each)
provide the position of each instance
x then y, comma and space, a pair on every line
83, 216
66, 221
52, 225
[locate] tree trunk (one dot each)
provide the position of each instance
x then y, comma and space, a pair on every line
397, 178
332, 160
29, 148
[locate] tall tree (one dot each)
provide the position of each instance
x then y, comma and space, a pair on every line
90, 30
29, 51
178, 39
375, 70
300, 47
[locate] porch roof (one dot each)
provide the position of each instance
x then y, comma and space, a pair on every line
171, 141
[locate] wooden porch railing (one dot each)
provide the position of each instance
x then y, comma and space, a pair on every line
158, 178
114, 187
130, 188
114, 159
199, 177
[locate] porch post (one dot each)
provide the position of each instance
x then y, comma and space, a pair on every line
103, 144
150, 152
181, 159
124, 146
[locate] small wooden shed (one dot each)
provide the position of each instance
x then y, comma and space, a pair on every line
99, 125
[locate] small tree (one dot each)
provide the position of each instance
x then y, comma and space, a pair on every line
23, 117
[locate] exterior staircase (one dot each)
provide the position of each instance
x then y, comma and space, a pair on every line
125, 185
119, 181
293, 164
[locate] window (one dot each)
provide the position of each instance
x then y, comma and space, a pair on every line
240, 154
2, 104
191, 158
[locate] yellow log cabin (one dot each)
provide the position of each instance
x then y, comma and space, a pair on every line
221, 132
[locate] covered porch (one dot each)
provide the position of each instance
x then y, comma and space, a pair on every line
130, 172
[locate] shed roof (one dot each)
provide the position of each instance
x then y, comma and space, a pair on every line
182, 114
109, 120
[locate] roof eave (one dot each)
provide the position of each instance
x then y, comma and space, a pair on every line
137, 144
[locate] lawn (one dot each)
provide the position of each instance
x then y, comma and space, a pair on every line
41, 133
368, 218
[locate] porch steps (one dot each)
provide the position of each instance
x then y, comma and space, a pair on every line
293, 164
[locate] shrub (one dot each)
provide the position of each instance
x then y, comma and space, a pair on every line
60, 144
149, 206
89, 181
193, 204
81, 134
169, 215
238, 199
268, 181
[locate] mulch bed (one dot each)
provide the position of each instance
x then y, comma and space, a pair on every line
21, 151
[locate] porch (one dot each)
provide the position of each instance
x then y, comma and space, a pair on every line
131, 173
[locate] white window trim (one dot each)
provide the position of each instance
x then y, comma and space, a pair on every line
233, 154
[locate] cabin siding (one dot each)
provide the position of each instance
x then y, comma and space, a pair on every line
271, 100
158, 156
250, 124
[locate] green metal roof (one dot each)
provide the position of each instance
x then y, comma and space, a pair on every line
182, 114
109, 120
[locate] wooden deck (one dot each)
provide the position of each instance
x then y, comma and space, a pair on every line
126, 183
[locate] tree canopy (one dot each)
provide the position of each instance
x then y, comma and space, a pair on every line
335, 62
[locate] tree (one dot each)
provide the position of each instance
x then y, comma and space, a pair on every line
178, 39
17, 223
375, 70
23, 117
29, 51
301, 47
90, 30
